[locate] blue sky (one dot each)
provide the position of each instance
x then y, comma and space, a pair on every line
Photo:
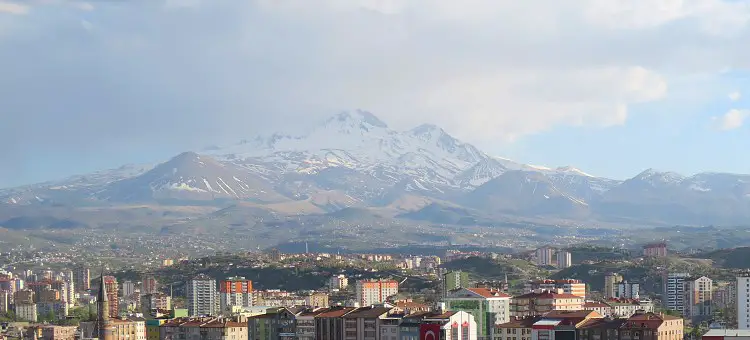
610, 86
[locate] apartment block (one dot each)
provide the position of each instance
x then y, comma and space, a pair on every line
564, 259
674, 291
488, 307
698, 292
372, 292
743, 302
544, 256
540, 303
201, 296
235, 292
573, 287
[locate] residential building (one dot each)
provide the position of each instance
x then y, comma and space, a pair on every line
235, 291
203, 329
121, 329
128, 288
5, 299
306, 323
407, 307
364, 323
725, 296
573, 287
24, 296
628, 290
454, 280
599, 307
157, 301
152, 328
201, 296
697, 299
149, 285
317, 300
515, 329
329, 323
59, 332
646, 326
111, 287
82, 276
564, 259
26, 311
674, 291
544, 256
338, 282
540, 303
623, 308
743, 302
372, 292
561, 325
488, 307
611, 280
276, 323
389, 325
658, 249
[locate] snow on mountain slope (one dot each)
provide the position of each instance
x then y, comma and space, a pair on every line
192, 177
79, 185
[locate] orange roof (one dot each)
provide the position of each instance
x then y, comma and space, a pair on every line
488, 293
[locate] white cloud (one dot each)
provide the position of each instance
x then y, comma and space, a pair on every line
13, 8
486, 70
735, 96
731, 120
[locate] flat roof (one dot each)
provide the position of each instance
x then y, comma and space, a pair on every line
728, 332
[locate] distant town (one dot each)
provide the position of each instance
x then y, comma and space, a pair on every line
368, 296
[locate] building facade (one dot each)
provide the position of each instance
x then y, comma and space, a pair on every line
201, 296
112, 289
372, 292
658, 249
82, 276
628, 290
573, 287
488, 307
454, 280
674, 291
533, 304
544, 256
743, 306
697, 299
564, 259
235, 292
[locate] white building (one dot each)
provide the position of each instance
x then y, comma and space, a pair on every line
202, 296
674, 291
564, 259
489, 305
628, 290
544, 256
698, 294
338, 282
743, 306
26, 312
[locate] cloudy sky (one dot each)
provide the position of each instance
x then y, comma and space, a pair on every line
610, 86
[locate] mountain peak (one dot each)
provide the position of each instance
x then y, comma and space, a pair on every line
572, 170
357, 118
652, 175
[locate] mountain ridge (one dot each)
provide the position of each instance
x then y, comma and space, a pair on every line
355, 160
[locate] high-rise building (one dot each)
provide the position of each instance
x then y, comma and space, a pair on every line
82, 277
674, 290
235, 291
338, 282
610, 285
564, 259
743, 304
697, 299
201, 296
150, 285
544, 256
628, 290
371, 292
454, 280
128, 288
110, 285
158, 301
658, 249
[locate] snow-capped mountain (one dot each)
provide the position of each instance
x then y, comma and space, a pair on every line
355, 159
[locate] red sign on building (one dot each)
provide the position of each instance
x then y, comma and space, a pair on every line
429, 332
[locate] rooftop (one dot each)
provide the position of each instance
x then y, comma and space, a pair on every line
728, 332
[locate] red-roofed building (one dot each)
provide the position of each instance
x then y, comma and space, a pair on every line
540, 303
